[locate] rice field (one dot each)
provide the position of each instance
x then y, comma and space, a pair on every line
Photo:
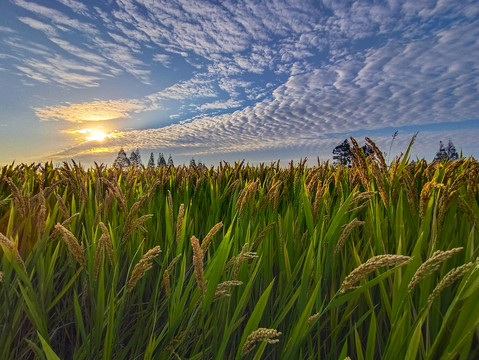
376, 261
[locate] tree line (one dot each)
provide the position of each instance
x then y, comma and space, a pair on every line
342, 153
134, 160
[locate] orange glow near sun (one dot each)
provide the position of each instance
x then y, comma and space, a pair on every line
90, 134
97, 135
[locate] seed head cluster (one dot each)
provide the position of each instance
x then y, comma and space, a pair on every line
450, 278
74, 247
371, 265
346, 230
260, 335
142, 267
431, 265
198, 264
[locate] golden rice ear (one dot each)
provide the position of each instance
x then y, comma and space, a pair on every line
207, 240
450, 278
431, 265
142, 267
371, 265
105, 238
179, 222
74, 247
12, 248
346, 230
198, 264
261, 334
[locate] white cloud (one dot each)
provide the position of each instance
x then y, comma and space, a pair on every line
164, 59
6, 29
56, 16
91, 111
76, 6
228, 104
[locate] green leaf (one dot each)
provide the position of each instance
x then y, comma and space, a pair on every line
255, 317
49, 353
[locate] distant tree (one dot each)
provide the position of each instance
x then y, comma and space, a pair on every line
441, 153
161, 161
451, 151
151, 162
192, 163
201, 165
121, 160
170, 161
342, 154
367, 150
135, 160
138, 156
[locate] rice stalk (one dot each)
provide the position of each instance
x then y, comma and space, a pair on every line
431, 265
167, 272
371, 265
450, 278
76, 250
260, 335
205, 244
142, 267
346, 230
7, 243
198, 264
179, 222
223, 289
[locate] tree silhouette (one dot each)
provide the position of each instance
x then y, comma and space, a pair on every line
121, 160
448, 153
161, 161
342, 154
135, 158
151, 162
451, 151
170, 161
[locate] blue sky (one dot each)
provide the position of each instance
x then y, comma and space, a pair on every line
235, 80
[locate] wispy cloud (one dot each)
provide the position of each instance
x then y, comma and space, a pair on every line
55, 16
228, 104
91, 111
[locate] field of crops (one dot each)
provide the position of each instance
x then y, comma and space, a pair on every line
376, 261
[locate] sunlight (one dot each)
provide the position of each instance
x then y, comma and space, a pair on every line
97, 135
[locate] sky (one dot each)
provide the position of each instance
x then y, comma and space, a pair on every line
232, 80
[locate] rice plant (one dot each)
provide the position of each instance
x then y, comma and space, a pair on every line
373, 261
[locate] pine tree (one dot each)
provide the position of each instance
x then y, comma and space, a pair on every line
170, 161
342, 154
367, 150
121, 160
161, 161
135, 158
451, 151
442, 153
151, 162
192, 163
138, 156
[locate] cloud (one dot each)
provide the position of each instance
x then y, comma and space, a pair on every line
6, 29
91, 111
164, 59
76, 6
228, 104
55, 16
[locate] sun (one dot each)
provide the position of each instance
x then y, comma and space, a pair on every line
97, 136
